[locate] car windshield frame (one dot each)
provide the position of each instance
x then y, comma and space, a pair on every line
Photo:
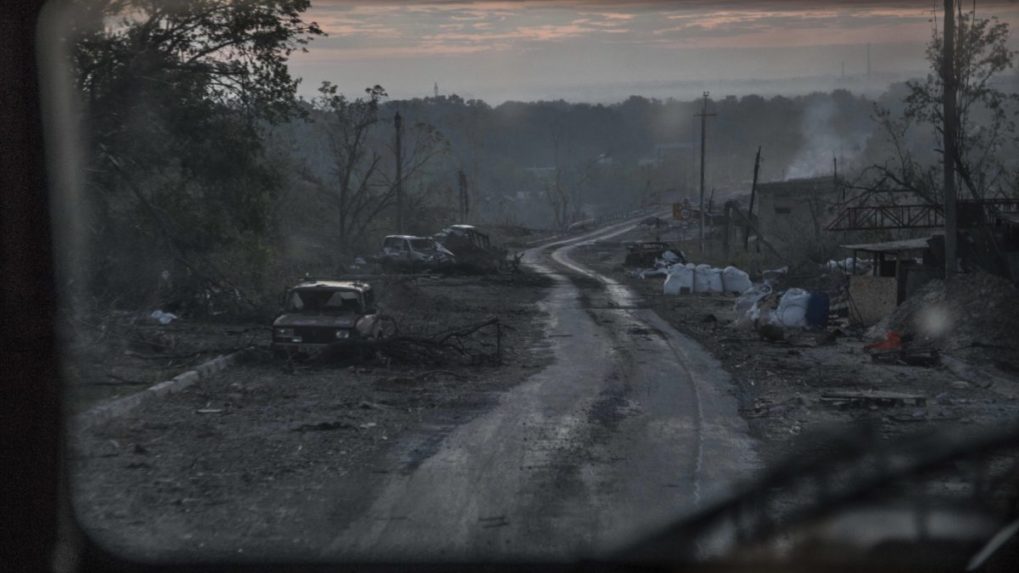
320, 301
422, 244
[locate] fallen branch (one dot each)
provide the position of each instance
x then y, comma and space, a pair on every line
443, 348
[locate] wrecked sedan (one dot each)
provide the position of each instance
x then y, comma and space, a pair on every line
319, 314
411, 253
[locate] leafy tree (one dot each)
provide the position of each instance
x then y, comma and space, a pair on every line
175, 97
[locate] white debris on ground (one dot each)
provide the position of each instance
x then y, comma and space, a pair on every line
849, 265
691, 278
163, 318
757, 304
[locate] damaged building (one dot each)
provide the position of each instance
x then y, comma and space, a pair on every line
797, 209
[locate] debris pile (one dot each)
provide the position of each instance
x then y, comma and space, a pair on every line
473, 344
648, 255
973, 314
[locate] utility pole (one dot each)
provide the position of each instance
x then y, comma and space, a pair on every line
398, 124
461, 179
704, 115
753, 193
949, 113
868, 61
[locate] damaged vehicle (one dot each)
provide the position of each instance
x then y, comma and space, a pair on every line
320, 313
472, 248
644, 254
412, 253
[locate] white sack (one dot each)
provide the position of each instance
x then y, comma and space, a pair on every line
735, 280
792, 309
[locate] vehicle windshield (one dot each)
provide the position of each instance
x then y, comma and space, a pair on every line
422, 244
324, 301
690, 251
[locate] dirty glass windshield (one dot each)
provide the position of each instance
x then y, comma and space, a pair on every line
754, 262
422, 244
308, 300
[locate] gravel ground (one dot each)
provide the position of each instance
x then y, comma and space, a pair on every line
271, 458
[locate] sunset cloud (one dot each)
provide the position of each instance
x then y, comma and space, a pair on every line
614, 39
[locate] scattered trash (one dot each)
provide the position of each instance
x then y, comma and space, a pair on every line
163, 318
746, 305
860, 267
869, 399
775, 274
672, 258
892, 341
324, 426
925, 357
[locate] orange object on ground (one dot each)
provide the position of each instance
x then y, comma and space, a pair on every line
892, 341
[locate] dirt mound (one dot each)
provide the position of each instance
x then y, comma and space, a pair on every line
976, 315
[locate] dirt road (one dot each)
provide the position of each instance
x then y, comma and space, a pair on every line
632, 424
603, 423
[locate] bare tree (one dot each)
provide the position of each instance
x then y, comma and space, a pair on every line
363, 183
986, 117
355, 191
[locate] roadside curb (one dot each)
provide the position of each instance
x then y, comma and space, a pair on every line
120, 406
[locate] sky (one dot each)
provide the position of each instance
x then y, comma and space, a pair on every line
605, 50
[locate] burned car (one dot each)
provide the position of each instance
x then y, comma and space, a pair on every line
319, 314
644, 254
411, 253
472, 248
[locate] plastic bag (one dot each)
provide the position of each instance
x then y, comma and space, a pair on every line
749, 299
163, 318
792, 309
